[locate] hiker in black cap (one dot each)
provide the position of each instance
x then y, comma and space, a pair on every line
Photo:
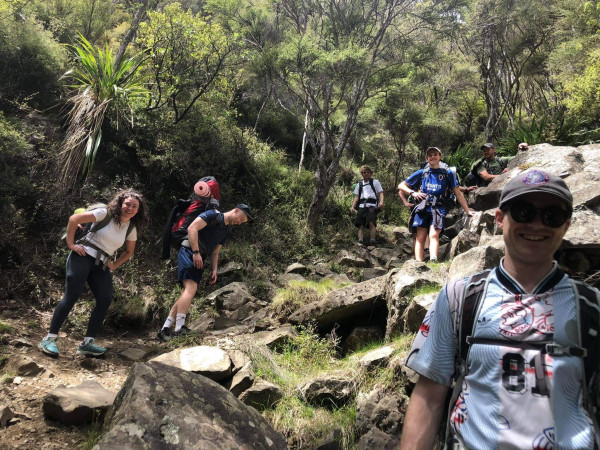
206, 235
490, 166
519, 342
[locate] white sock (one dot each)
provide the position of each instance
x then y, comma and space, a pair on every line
87, 339
179, 321
51, 336
168, 322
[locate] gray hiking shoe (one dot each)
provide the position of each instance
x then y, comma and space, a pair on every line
183, 331
165, 334
49, 347
90, 349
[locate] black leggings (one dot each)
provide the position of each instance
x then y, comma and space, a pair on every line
79, 270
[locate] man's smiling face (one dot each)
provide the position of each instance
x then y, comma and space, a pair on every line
532, 242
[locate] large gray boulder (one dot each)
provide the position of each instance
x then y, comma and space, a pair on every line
584, 231
235, 301
262, 395
564, 161
330, 391
475, 260
415, 312
161, 406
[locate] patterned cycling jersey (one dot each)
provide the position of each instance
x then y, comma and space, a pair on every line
511, 397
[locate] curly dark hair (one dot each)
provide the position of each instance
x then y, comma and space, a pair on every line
114, 206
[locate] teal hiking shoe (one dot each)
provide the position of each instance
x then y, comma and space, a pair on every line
90, 349
49, 347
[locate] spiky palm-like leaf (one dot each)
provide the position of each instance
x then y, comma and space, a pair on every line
96, 84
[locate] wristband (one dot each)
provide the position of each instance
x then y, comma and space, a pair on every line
195, 252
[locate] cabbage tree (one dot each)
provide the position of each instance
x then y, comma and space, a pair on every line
98, 87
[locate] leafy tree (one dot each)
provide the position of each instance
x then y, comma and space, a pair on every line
190, 58
66, 19
506, 38
332, 59
96, 86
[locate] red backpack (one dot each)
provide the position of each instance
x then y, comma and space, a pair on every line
185, 212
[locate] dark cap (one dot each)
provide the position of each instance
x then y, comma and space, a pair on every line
536, 181
433, 149
487, 145
246, 210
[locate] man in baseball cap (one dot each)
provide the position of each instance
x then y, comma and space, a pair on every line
207, 234
521, 380
490, 166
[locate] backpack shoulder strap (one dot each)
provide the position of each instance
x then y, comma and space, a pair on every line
129, 229
372, 186
469, 309
97, 226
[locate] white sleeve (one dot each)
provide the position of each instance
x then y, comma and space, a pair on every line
434, 348
133, 235
99, 213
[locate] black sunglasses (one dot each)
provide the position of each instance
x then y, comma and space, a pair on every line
552, 216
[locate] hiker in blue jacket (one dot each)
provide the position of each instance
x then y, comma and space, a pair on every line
429, 187
90, 261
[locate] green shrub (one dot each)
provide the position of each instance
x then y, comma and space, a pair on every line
32, 61
5, 328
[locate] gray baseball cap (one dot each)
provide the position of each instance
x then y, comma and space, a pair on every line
536, 181
487, 145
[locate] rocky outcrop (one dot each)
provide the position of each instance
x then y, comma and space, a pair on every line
24, 366
342, 305
400, 288
379, 418
161, 406
235, 301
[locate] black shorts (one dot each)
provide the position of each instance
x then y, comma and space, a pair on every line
365, 216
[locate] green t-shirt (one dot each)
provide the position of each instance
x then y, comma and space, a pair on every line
494, 167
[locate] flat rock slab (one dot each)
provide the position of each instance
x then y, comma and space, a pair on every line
78, 405
134, 354
24, 366
211, 362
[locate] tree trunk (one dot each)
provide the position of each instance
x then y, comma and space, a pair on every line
139, 15
323, 183
303, 142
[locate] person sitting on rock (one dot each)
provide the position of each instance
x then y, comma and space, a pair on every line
206, 236
490, 166
428, 216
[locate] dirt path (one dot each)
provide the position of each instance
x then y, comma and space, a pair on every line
24, 395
